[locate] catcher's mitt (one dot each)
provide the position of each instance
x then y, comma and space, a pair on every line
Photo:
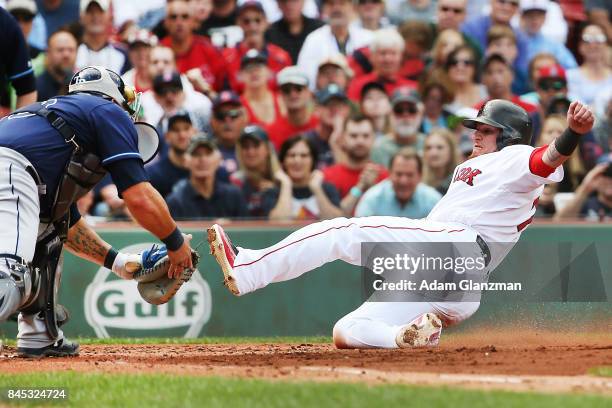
153, 283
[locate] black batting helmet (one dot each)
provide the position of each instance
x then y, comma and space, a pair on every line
513, 121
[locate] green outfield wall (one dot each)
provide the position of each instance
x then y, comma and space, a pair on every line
569, 266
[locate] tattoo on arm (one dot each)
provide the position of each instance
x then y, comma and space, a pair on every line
552, 157
84, 242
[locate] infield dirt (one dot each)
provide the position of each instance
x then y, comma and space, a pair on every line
512, 359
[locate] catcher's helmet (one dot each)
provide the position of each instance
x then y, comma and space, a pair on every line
106, 83
511, 119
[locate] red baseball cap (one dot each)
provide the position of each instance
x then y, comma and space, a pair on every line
552, 71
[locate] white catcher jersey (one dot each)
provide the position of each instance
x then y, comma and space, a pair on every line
496, 194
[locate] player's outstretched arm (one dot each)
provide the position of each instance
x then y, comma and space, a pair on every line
150, 210
84, 242
580, 120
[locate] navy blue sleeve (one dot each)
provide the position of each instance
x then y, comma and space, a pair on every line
126, 173
241, 205
332, 193
116, 136
174, 205
75, 215
269, 200
15, 56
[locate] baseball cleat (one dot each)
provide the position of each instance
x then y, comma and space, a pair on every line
61, 348
225, 253
424, 331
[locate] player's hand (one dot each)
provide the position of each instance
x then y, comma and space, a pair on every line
283, 178
316, 180
580, 117
589, 184
181, 258
368, 176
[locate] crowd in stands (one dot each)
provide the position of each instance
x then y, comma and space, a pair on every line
314, 109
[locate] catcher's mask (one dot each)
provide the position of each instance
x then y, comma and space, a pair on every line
513, 122
108, 84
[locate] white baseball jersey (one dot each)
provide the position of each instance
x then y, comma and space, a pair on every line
495, 194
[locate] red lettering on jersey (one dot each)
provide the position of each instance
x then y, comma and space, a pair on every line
467, 174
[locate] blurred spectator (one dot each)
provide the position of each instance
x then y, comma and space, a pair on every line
336, 37
502, 41
15, 65
170, 168
139, 52
574, 170
402, 10
107, 201
461, 69
546, 203
435, 97
497, 76
551, 82
533, 15
202, 195
162, 60
407, 117
169, 96
97, 48
450, 14
24, 12
600, 12
302, 195
440, 157
386, 58
356, 174
332, 109
220, 25
252, 22
371, 15
334, 70
376, 105
59, 65
293, 85
291, 30
310, 9
593, 198
403, 194
595, 73
446, 41
418, 38
144, 14
194, 54
538, 62
501, 13
228, 120
59, 14
262, 104
258, 165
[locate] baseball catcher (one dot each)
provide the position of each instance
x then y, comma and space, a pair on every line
51, 154
491, 200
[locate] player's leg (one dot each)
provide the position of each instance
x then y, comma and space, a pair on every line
317, 244
399, 324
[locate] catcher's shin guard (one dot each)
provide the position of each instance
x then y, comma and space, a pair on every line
19, 283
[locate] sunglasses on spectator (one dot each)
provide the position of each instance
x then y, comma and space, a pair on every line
232, 113
466, 62
510, 2
369, 2
166, 90
287, 89
594, 38
400, 110
547, 84
455, 10
21, 16
176, 16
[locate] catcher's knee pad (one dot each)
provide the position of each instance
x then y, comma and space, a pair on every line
10, 296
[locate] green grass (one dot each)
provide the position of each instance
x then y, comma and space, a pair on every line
101, 390
603, 371
198, 340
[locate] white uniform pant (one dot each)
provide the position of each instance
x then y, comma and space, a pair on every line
373, 324
19, 229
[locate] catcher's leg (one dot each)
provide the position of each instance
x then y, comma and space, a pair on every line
399, 324
308, 248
